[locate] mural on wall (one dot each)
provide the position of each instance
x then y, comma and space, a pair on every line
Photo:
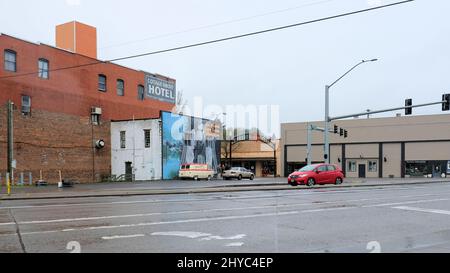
187, 140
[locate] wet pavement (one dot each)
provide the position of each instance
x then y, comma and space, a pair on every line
396, 218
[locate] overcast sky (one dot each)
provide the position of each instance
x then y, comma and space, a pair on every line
288, 68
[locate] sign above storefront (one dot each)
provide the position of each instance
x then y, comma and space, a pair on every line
160, 89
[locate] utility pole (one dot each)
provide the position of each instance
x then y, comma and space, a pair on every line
327, 110
309, 147
327, 124
10, 144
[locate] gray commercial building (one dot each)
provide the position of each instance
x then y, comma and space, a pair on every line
402, 146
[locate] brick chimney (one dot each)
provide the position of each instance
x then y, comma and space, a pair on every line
78, 38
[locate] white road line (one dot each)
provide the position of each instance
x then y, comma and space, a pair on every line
406, 203
237, 244
327, 209
184, 234
175, 222
122, 237
437, 211
162, 223
313, 192
276, 206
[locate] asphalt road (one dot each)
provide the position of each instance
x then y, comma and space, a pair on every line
407, 218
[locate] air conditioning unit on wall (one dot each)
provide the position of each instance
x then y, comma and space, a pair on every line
96, 111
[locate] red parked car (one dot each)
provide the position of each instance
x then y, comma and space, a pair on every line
317, 174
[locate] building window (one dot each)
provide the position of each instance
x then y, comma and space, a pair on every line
123, 140
95, 119
102, 83
147, 135
352, 166
120, 88
373, 166
26, 105
10, 60
43, 66
141, 92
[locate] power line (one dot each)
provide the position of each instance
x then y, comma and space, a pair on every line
217, 24
217, 40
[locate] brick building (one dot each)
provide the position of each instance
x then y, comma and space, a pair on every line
61, 113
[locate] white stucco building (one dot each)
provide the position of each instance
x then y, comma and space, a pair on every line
136, 149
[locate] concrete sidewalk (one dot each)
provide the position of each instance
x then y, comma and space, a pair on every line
186, 187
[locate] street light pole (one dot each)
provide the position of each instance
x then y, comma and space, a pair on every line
327, 125
327, 110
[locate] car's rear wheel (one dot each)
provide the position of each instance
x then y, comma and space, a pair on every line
252, 177
196, 178
311, 182
240, 177
209, 177
338, 181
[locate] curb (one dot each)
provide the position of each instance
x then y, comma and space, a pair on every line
226, 188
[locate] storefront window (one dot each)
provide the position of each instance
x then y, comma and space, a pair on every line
426, 168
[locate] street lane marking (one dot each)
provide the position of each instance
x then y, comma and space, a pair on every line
310, 192
237, 244
437, 211
185, 234
198, 235
177, 221
406, 203
190, 200
164, 223
327, 209
122, 237
215, 237
276, 206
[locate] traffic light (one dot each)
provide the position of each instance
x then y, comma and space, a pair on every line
341, 132
408, 103
446, 102
345, 134
336, 129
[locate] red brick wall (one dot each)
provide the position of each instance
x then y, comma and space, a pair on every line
59, 135
73, 91
52, 141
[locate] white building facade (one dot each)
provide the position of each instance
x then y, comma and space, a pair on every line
136, 149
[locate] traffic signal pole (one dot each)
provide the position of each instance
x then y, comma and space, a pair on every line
386, 110
326, 152
310, 129
327, 125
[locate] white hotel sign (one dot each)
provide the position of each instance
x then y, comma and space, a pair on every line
161, 89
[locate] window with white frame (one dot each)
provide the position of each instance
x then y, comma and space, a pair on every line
10, 60
43, 67
352, 166
373, 166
